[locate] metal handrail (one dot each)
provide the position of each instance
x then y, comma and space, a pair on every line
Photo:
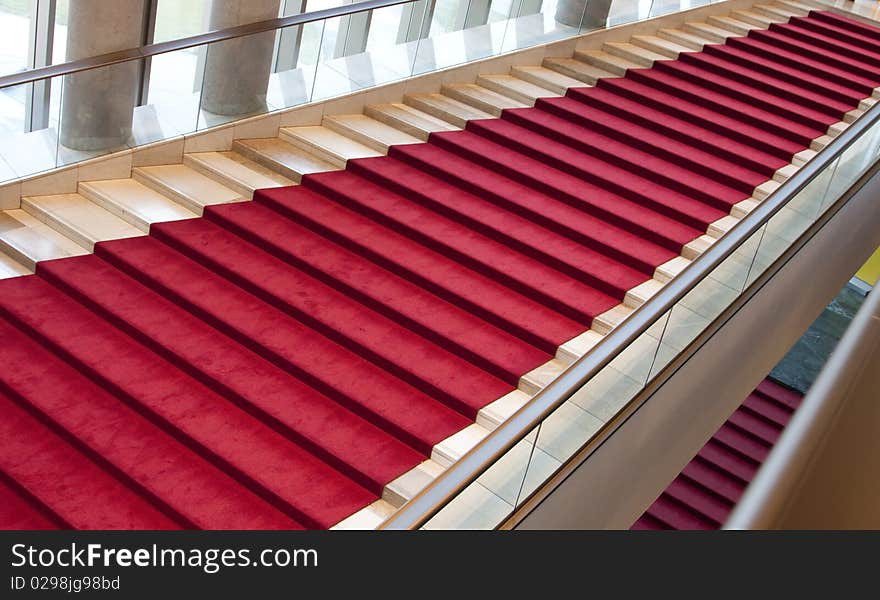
778, 483
466, 470
211, 37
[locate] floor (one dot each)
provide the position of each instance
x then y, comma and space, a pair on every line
801, 366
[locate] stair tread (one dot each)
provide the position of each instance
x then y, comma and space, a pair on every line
79, 218
645, 55
444, 107
482, 98
134, 202
379, 136
547, 78
30, 240
233, 168
187, 184
654, 41
578, 69
708, 31
10, 267
686, 38
526, 92
412, 120
754, 18
275, 153
605, 60
326, 143
731, 24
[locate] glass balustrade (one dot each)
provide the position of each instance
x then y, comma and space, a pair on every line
43, 125
578, 421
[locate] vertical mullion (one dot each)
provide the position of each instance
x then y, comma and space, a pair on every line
38, 96
289, 39
147, 35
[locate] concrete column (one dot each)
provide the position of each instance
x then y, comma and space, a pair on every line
237, 71
97, 105
588, 14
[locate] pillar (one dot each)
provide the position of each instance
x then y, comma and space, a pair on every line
97, 105
237, 71
587, 14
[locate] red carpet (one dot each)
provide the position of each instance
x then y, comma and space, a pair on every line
276, 363
706, 491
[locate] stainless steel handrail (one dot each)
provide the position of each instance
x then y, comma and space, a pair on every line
778, 486
465, 471
120, 56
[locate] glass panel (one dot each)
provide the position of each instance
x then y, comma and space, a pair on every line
176, 19
342, 67
299, 49
172, 103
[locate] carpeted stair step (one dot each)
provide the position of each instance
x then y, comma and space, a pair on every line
740, 121
740, 102
76, 491
595, 143
279, 470
592, 105
844, 91
791, 92
301, 300
544, 197
20, 510
634, 135
234, 370
479, 251
509, 162
189, 488
398, 299
547, 243
561, 294
798, 47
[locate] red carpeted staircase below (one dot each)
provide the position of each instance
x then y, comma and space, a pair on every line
275, 363
709, 487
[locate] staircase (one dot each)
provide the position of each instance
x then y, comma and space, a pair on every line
402, 282
710, 486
